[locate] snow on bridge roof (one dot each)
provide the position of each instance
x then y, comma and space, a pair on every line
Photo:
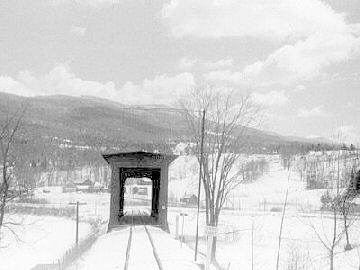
139, 155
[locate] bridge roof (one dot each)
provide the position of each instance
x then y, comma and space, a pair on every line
139, 156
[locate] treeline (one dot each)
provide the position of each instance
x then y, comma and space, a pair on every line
33, 154
289, 150
322, 170
253, 169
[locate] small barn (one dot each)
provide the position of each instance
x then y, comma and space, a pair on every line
154, 166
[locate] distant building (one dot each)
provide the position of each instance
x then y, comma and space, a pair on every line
84, 185
189, 199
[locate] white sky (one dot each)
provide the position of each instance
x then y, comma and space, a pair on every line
300, 58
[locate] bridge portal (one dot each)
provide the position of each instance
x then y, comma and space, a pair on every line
139, 165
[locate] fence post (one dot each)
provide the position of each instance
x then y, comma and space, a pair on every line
177, 228
182, 228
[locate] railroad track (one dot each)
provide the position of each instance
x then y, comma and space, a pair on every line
141, 251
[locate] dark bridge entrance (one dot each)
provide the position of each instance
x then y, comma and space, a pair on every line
139, 165
151, 173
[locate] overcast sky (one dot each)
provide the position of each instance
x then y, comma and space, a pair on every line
299, 58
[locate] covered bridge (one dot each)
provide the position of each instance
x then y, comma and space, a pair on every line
154, 166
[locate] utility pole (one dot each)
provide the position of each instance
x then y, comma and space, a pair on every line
77, 224
199, 186
252, 244
77, 220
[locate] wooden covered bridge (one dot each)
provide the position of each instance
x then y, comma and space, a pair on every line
141, 164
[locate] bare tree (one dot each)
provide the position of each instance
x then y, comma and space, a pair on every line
344, 201
9, 127
228, 119
336, 234
331, 241
346, 205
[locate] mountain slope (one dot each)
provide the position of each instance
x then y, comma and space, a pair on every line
89, 120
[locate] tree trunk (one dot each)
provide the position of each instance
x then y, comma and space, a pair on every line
331, 257
348, 245
213, 249
207, 211
4, 192
214, 217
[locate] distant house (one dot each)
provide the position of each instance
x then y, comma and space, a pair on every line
84, 186
189, 199
70, 187
97, 187
138, 191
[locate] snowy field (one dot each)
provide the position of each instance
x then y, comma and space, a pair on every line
299, 242
41, 240
256, 205
259, 206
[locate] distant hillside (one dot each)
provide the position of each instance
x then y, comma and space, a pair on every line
90, 121
100, 122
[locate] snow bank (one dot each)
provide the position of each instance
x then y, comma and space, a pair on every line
43, 241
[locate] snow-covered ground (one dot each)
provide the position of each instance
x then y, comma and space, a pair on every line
109, 251
298, 237
258, 203
42, 240
299, 240
172, 255
269, 191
